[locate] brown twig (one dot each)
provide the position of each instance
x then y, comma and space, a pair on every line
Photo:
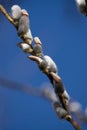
7, 15
74, 124
68, 116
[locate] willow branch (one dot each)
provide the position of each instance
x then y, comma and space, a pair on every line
11, 20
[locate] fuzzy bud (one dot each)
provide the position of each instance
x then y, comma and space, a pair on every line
16, 12
51, 66
23, 27
37, 47
24, 46
82, 6
61, 112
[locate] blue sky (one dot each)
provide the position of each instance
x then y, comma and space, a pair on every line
63, 32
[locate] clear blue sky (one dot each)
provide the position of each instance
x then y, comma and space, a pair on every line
63, 32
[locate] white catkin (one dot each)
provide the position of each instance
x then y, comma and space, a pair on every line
16, 12
75, 107
80, 2
50, 62
25, 46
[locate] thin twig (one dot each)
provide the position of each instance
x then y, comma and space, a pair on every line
74, 124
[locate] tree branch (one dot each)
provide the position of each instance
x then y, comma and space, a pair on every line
68, 116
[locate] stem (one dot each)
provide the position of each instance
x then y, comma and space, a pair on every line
2, 9
74, 124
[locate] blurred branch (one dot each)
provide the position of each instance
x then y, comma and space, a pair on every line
12, 85
45, 93
48, 94
19, 87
